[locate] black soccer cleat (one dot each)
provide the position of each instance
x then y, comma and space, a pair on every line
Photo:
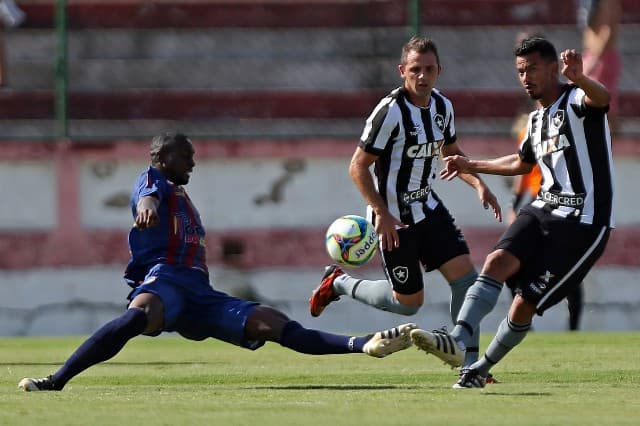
469, 378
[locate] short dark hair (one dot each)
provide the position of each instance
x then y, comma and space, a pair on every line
165, 141
536, 44
420, 45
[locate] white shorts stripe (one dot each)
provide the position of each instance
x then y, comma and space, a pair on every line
575, 267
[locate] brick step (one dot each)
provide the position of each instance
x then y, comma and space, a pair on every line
176, 104
98, 247
287, 74
310, 13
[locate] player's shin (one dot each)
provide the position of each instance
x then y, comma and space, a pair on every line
315, 342
102, 345
481, 298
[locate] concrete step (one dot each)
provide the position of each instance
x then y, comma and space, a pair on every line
310, 13
319, 59
88, 130
182, 104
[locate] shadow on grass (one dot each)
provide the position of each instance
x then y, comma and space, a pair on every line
333, 387
516, 393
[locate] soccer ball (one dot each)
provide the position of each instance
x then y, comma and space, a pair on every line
351, 240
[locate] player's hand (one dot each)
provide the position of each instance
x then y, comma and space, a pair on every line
386, 227
453, 166
488, 199
146, 218
572, 65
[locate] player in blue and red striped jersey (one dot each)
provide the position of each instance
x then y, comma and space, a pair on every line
171, 289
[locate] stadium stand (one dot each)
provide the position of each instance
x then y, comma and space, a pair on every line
135, 65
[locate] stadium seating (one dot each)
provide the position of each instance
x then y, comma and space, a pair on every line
255, 65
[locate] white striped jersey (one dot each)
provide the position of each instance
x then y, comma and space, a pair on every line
407, 140
571, 143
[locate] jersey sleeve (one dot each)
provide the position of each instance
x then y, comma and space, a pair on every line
577, 98
450, 127
381, 127
149, 183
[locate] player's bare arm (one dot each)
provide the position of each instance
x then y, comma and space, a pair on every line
386, 224
147, 212
487, 198
509, 165
597, 95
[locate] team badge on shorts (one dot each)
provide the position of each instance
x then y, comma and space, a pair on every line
401, 274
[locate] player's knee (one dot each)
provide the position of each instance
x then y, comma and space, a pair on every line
521, 311
265, 323
407, 304
500, 265
153, 308
403, 309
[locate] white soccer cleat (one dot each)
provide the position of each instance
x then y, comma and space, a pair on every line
33, 385
440, 344
386, 342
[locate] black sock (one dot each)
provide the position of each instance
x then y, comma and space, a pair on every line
315, 342
574, 300
102, 345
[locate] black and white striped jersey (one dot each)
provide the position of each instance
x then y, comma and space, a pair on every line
571, 143
407, 140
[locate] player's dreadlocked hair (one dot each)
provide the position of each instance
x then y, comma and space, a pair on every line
420, 45
163, 142
537, 44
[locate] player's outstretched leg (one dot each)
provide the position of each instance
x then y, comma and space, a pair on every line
316, 342
440, 344
101, 346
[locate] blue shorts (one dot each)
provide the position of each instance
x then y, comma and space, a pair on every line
194, 309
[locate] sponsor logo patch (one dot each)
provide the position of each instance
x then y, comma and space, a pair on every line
415, 196
425, 150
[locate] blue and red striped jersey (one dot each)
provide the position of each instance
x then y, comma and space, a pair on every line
179, 238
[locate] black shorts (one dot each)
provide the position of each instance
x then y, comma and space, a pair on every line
431, 242
555, 254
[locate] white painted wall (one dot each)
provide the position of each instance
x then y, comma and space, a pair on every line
225, 192
28, 191
77, 301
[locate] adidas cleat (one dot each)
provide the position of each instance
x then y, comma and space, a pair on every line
324, 293
386, 342
469, 378
440, 344
34, 385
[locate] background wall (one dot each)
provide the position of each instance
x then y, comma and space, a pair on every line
65, 221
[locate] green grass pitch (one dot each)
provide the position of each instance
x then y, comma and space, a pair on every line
550, 379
